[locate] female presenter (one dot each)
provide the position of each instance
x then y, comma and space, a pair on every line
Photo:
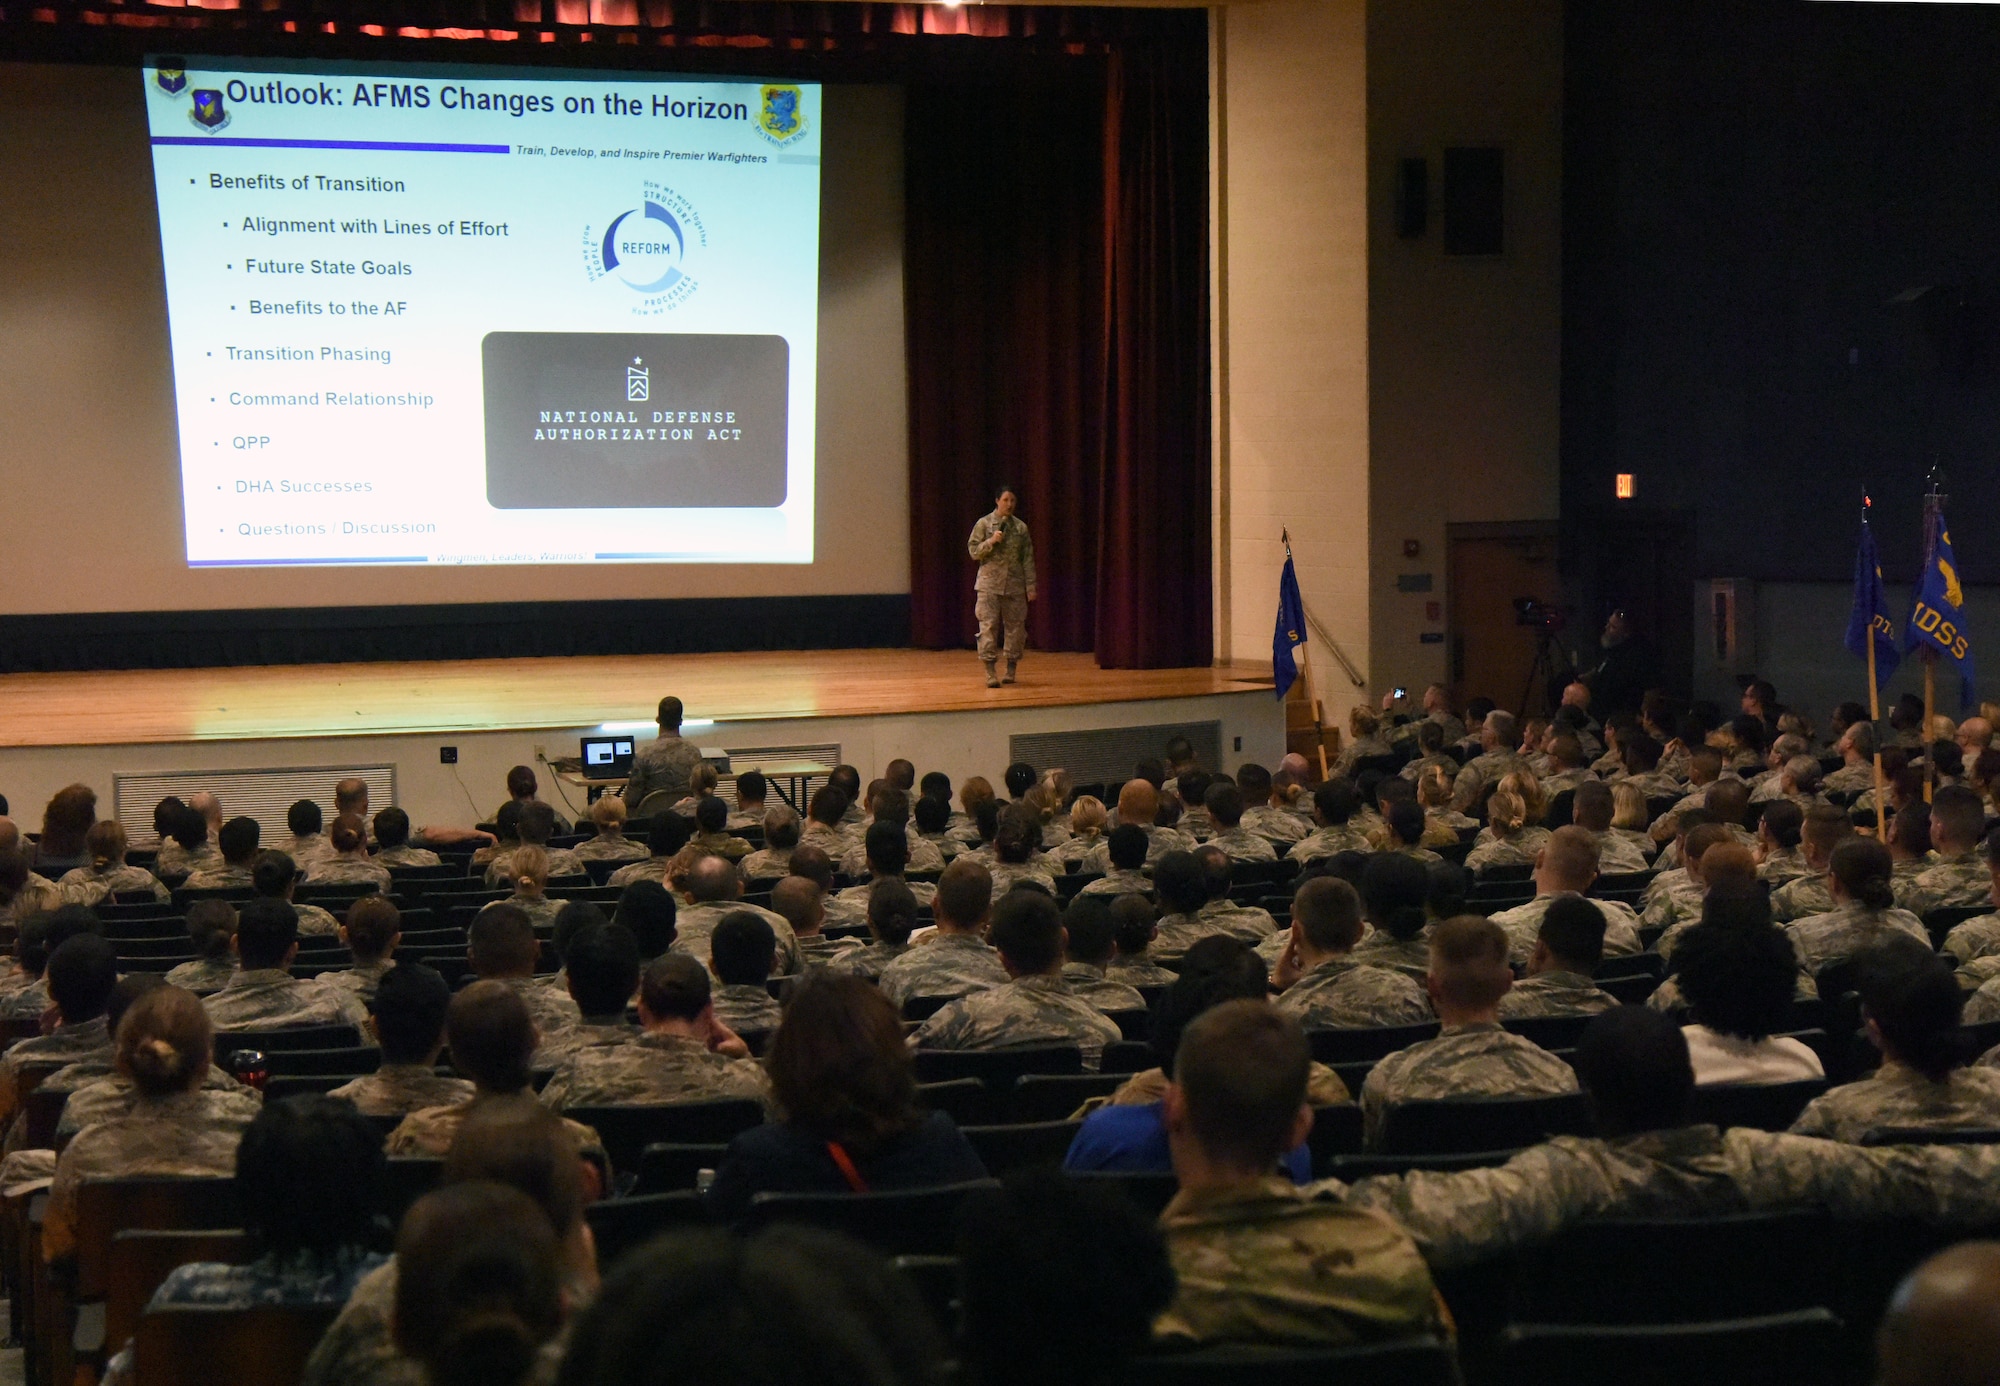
1006, 583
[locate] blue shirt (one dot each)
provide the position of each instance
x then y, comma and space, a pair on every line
1134, 1139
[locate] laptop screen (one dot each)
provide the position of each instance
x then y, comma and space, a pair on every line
607, 757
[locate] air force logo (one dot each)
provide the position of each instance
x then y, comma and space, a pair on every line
171, 80
208, 112
781, 118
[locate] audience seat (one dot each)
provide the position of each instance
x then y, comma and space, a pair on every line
966, 1101
1466, 1125
997, 1068
286, 1037
1679, 1270
935, 1281
1348, 1168
360, 1059
627, 1131
1132, 1025
1128, 1056
1336, 1130
1149, 1190
142, 1258
198, 1346
1630, 991
408, 1179
1416, 1362
1762, 1106
1630, 965
924, 1007
668, 1166
1377, 1042
292, 1084
1962, 1135
1805, 1346
42, 1114
1023, 1145
1942, 921
1549, 1031
902, 1222
1054, 1096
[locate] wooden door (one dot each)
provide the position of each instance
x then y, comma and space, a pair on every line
1492, 653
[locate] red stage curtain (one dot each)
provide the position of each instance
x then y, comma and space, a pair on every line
1056, 290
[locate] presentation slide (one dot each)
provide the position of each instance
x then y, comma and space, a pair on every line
441, 315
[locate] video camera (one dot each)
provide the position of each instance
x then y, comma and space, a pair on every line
1533, 611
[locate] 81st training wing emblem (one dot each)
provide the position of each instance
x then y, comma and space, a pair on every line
781, 116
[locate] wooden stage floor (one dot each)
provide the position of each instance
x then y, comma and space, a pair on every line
140, 706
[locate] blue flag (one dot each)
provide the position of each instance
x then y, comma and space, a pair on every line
1291, 629
1870, 617
1937, 617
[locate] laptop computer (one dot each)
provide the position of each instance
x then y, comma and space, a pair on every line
607, 757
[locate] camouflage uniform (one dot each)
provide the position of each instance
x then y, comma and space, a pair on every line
942, 965
1903, 882
665, 764
649, 869
594, 1033
769, 864
349, 871
1849, 779
85, 1041
1271, 1263
359, 1347
949, 847
1561, 780
650, 1070
273, 999
1345, 993
1984, 1004
362, 979
1975, 938
924, 891
218, 876
302, 848
868, 961
1518, 850
1674, 898
1006, 873
540, 909
1655, 784
924, 856
96, 1094
176, 860
1159, 842
315, 922
1096, 985
1490, 768
1782, 868
1180, 932
1461, 1218
1120, 882
1409, 956
429, 1131
552, 1011
746, 1009
604, 847
399, 1089
695, 923
1273, 823
1139, 971
817, 950
203, 976
1900, 1098
1006, 576
1028, 1010
1329, 842
562, 862
1523, 924
1464, 1061
723, 844
850, 914
406, 855
27, 1003
1955, 882
87, 885
1821, 940
1359, 749
1554, 994
1242, 845
1802, 898
1617, 854
185, 1134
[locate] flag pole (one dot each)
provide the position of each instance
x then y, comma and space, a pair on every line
1306, 672
1933, 503
1875, 713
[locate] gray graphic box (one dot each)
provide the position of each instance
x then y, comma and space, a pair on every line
635, 420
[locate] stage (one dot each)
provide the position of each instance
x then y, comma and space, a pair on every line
146, 727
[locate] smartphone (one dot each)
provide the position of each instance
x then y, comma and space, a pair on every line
1402, 693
